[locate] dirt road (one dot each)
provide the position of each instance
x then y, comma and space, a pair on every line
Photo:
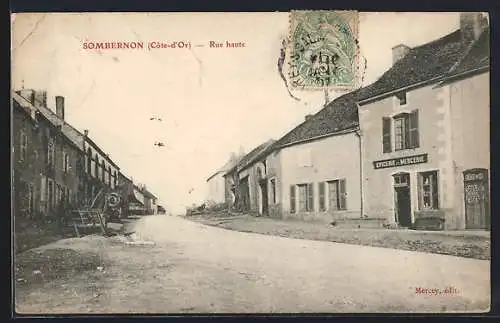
200, 269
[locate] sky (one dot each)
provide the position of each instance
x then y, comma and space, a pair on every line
211, 101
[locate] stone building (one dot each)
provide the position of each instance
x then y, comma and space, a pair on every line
424, 123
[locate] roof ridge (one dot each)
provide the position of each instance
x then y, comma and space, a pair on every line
436, 40
466, 52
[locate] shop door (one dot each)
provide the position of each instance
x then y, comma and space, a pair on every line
476, 195
402, 199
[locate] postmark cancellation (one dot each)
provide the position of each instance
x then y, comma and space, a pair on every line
323, 51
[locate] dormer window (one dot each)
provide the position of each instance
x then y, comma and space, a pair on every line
401, 96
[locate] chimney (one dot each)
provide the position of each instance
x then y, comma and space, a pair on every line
398, 52
309, 116
471, 26
60, 106
86, 132
40, 99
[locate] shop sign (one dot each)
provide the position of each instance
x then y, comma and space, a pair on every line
402, 161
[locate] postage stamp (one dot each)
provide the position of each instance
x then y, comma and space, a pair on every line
323, 50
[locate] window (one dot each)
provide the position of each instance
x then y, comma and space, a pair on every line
50, 191
65, 162
337, 195
96, 166
406, 131
89, 161
31, 198
51, 152
108, 176
321, 193
23, 151
402, 98
306, 197
428, 190
406, 134
292, 199
272, 183
59, 193
302, 197
401, 179
103, 172
43, 191
386, 135
400, 127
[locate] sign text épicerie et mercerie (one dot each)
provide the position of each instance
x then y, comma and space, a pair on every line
401, 161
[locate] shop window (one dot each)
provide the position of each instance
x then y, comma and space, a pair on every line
337, 195
428, 190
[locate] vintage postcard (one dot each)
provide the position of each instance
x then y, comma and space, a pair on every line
307, 161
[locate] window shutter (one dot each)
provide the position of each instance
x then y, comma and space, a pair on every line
321, 194
435, 191
292, 198
386, 134
420, 191
413, 129
342, 195
407, 139
310, 197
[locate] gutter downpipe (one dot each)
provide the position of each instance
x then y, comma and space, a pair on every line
358, 134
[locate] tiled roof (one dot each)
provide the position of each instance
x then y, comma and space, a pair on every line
71, 133
74, 136
339, 115
256, 153
227, 167
148, 194
422, 63
24, 104
477, 57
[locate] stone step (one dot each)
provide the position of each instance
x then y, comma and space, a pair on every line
359, 223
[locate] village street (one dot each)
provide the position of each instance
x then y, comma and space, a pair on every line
193, 268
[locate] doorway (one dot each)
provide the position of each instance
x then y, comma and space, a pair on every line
263, 200
476, 195
402, 199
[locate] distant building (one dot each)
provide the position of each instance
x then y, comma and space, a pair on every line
217, 189
251, 179
52, 162
150, 201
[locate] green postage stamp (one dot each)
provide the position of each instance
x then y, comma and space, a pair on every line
323, 50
